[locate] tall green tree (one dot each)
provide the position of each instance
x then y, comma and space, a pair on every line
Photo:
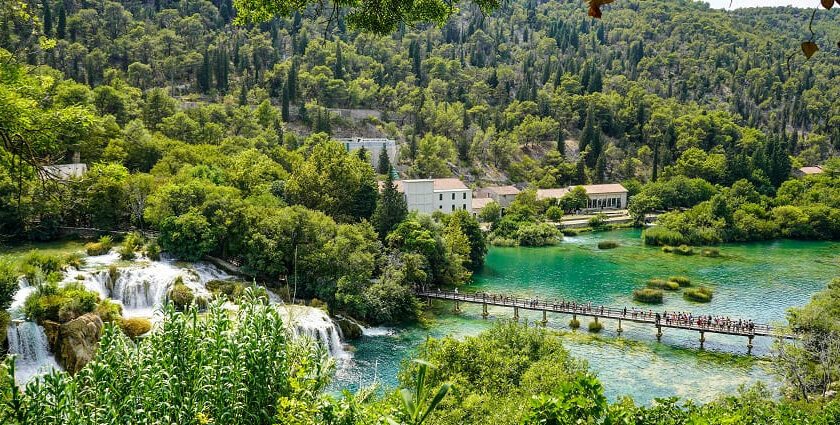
391, 208
384, 164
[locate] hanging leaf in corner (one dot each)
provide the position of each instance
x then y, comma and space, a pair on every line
595, 7
828, 3
809, 48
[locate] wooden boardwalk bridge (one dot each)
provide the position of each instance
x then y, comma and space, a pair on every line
743, 328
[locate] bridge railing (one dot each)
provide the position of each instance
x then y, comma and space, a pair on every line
602, 311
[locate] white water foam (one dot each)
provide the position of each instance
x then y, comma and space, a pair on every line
28, 342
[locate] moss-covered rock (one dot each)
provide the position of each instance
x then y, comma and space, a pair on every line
181, 295
349, 329
76, 341
135, 327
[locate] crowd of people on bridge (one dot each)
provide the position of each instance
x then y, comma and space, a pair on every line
681, 319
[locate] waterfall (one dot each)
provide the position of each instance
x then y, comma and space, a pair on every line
316, 324
28, 341
369, 331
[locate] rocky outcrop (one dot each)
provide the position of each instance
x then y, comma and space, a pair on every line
349, 329
74, 343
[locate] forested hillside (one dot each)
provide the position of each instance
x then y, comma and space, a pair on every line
639, 88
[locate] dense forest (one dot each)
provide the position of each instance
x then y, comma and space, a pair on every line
217, 137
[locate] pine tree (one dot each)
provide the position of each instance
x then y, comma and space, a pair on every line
580, 172
654, 174
590, 139
61, 30
596, 83
47, 19
384, 166
291, 82
391, 208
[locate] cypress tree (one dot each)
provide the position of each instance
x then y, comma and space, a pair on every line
284, 104
203, 79
338, 72
47, 19
580, 172
384, 166
391, 208
243, 95
590, 139
654, 174
561, 144
61, 30
600, 169
291, 82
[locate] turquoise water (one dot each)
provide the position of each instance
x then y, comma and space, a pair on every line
758, 281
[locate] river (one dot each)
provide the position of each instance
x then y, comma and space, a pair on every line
757, 281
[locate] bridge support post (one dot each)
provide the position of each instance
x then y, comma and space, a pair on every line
702, 339
516, 313
619, 330
457, 307
658, 333
545, 319
484, 310
750, 344
429, 301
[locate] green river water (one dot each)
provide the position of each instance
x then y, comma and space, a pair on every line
757, 281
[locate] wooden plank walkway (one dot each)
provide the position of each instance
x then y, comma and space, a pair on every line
746, 328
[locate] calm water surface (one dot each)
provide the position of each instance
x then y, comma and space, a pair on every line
759, 281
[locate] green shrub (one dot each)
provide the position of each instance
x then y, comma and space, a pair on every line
608, 244
700, 295
554, 213
152, 251
126, 252
8, 282
135, 327
504, 242
660, 235
668, 249
570, 232
5, 321
710, 252
113, 273
648, 295
574, 323
684, 250
595, 326
683, 281
75, 260
662, 284
44, 262
180, 295
100, 247
229, 289
49, 302
538, 234
109, 311
598, 220
132, 242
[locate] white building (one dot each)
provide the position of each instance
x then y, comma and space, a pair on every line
601, 196
374, 146
503, 195
430, 195
64, 172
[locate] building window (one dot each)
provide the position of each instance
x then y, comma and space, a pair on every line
453, 207
465, 195
465, 206
440, 197
453, 196
440, 207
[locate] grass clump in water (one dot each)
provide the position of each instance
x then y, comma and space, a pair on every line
660, 235
100, 247
648, 295
608, 244
595, 326
700, 295
135, 326
682, 281
181, 295
684, 250
662, 284
710, 252
574, 323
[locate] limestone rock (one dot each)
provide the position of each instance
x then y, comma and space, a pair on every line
77, 342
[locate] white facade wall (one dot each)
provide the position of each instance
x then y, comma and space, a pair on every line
605, 201
374, 146
450, 200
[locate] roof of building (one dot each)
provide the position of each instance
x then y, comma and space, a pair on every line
479, 203
503, 190
439, 184
65, 171
591, 189
816, 169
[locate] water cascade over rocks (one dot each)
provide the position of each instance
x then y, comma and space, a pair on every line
316, 324
28, 341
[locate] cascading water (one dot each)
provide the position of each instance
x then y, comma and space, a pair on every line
28, 341
315, 324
